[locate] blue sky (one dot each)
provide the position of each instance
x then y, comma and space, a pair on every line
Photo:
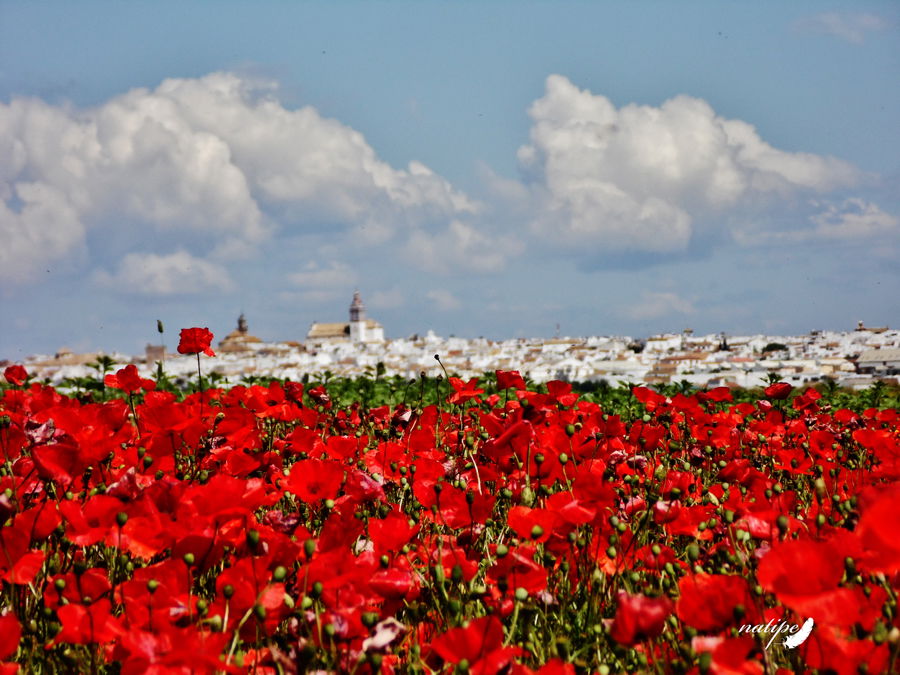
475, 168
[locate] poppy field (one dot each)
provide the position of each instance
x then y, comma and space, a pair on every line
492, 526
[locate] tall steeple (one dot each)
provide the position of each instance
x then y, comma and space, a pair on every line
357, 308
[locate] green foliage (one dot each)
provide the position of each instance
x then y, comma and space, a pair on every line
375, 389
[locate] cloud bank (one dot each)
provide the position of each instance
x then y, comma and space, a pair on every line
182, 180
215, 162
643, 178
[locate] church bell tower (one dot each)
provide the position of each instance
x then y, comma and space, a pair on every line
357, 319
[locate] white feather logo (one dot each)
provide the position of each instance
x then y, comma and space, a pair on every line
798, 638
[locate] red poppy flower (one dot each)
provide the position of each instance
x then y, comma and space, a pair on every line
127, 379
464, 391
708, 601
195, 341
639, 617
86, 624
10, 632
315, 479
778, 391
320, 396
562, 392
532, 524
480, 644
507, 379
877, 532
16, 375
293, 391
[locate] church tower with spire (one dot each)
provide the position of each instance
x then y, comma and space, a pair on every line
360, 328
357, 319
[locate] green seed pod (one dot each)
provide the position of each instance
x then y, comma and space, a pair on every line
782, 522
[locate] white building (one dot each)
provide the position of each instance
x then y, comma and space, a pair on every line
358, 329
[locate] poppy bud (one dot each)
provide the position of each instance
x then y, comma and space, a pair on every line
152, 585
188, 559
280, 573
121, 518
782, 522
456, 574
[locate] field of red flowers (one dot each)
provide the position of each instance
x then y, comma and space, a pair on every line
267, 529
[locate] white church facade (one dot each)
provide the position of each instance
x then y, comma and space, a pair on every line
358, 329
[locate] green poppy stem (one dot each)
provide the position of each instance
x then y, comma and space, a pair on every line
200, 385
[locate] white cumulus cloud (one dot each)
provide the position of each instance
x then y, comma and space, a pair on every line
848, 26
460, 246
638, 177
213, 164
307, 164
850, 220
38, 226
333, 275
443, 299
178, 273
387, 299
854, 218
323, 283
657, 304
